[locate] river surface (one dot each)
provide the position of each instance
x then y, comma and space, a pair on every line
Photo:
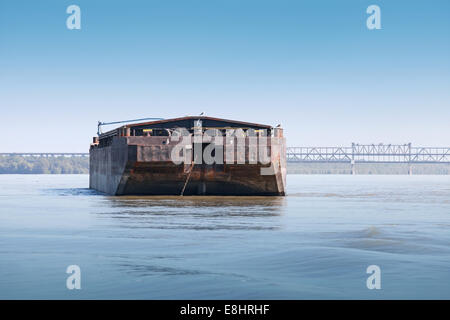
315, 243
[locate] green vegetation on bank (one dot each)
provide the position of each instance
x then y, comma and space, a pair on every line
43, 165
80, 165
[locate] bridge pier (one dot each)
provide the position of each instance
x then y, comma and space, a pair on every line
410, 169
353, 167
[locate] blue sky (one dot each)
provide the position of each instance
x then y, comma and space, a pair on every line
312, 66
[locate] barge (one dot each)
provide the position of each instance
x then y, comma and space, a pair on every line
192, 155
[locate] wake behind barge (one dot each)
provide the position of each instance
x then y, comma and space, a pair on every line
164, 157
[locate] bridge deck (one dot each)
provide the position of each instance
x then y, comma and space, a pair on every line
381, 153
357, 153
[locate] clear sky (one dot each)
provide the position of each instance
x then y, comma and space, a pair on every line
312, 66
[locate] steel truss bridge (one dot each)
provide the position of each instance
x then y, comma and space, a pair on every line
370, 153
357, 153
45, 154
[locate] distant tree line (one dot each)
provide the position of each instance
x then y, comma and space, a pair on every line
367, 168
43, 165
80, 165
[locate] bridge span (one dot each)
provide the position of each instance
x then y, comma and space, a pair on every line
370, 153
44, 154
356, 153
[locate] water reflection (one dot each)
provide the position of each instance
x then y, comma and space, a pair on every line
195, 201
194, 212
71, 192
187, 227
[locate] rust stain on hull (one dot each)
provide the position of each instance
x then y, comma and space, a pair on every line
142, 165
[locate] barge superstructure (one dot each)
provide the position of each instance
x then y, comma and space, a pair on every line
192, 155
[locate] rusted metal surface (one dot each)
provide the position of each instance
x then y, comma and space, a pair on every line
142, 165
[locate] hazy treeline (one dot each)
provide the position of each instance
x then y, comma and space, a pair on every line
80, 165
367, 168
43, 165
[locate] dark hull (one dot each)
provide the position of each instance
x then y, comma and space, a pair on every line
142, 166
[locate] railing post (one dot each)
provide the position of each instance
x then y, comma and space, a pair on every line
353, 168
410, 172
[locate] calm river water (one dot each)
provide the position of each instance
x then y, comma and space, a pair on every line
315, 243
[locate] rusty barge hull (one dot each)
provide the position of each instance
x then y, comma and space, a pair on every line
142, 165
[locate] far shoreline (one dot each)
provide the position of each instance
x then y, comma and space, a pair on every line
80, 165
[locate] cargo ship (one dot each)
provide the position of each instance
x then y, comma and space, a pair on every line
192, 155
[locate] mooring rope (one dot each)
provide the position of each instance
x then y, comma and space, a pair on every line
187, 179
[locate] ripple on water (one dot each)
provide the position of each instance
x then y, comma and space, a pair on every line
386, 240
